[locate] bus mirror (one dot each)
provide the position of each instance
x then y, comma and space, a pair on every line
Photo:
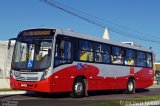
9, 42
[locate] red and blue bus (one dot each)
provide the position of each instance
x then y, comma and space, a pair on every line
56, 60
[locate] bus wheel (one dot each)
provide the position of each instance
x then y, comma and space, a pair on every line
131, 86
78, 89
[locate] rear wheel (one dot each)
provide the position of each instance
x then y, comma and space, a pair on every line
131, 86
78, 89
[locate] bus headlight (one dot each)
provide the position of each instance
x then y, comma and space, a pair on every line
44, 76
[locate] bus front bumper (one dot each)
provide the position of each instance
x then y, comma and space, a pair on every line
39, 86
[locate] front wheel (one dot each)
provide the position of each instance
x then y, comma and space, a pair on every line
131, 86
78, 89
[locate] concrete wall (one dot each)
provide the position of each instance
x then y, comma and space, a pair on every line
5, 63
2, 60
4, 83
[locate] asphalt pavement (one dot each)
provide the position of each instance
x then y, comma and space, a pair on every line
64, 99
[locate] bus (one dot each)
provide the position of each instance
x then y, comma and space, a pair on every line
56, 60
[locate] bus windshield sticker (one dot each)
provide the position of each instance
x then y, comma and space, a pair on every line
31, 57
30, 64
79, 66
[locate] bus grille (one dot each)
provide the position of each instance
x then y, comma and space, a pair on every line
24, 76
32, 78
27, 78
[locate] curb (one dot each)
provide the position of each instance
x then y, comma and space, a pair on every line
12, 92
154, 86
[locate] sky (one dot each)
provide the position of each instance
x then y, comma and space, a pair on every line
140, 15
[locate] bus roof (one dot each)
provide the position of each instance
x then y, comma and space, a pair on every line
89, 37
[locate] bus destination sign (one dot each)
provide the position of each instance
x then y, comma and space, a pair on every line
37, 33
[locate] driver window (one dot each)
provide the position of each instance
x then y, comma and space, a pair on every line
63, 52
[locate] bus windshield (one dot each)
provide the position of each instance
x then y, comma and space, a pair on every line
32, 53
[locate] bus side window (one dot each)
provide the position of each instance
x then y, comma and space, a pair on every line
141, 62
98, 52
149, 60
102, 52
130, 57
85, 50
117, 55
63, 52
106, 54
82, 51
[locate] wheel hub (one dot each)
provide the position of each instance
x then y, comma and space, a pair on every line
130, 86
78, 87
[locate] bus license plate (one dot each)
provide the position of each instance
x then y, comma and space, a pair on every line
23, 85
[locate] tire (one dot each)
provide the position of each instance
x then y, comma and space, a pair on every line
78, 89
131, 86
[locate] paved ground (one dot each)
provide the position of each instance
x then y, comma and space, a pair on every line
34, 99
